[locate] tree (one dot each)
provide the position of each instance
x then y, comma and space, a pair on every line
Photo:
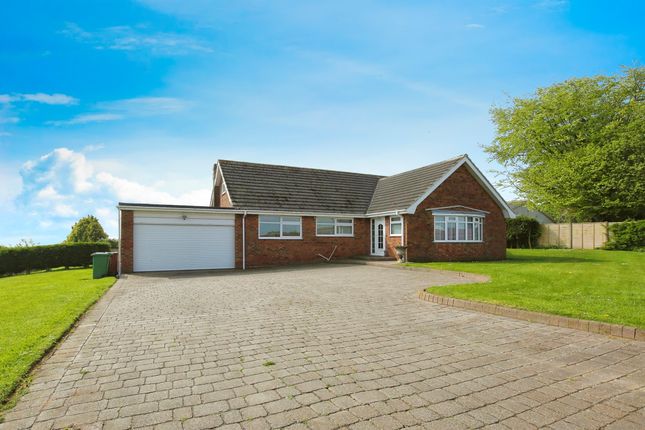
87, 229
576, 150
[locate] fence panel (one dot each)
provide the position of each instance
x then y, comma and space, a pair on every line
587, 235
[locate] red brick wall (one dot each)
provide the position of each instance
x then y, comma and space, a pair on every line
460, 188
127, 238
271, 252
390, 241
224, 201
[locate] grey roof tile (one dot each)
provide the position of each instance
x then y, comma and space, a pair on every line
255, 186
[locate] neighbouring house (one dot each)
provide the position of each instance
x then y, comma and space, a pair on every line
265, 215
520, 207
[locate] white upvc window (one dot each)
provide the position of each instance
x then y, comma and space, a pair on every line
396, 225
328, 226
458, 228
280, 227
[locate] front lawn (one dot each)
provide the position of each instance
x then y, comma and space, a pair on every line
35, 311
606, 286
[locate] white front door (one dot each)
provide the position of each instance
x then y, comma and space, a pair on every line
378, 236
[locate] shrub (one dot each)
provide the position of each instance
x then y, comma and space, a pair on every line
522, 232
628, 236
25, 259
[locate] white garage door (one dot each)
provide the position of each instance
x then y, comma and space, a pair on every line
167, 242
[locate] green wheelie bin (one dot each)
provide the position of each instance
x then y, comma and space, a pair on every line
100, 264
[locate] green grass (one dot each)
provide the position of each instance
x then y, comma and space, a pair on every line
606, 286
35, 311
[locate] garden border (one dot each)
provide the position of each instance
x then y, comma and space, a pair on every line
617, 330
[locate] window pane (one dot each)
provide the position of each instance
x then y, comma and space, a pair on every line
461, 228
290, 230
469, 231
291, 219
452, 230
324, 220
269, 229
344, 229
395, 219
325, 229
439, 229
395, 228
344, 221
269, 218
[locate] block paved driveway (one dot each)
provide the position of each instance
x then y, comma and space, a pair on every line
352, 346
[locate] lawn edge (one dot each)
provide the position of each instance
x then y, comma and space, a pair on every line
21, 386
609, 329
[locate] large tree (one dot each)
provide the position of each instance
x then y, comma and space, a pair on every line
87, 229
576, 150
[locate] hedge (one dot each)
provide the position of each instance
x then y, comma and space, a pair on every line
522, 232
628, 236
25, 259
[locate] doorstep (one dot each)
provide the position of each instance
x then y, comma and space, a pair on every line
616, 330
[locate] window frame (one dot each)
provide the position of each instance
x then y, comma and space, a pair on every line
282, 223
400, 222
459, 219
336, 225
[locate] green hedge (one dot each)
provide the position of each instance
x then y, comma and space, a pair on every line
522, 232
628, 236
26, 259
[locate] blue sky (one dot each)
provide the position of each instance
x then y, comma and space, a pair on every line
112, 101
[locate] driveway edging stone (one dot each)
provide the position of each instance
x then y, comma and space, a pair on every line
617, 330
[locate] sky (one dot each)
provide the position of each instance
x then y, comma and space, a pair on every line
133, 101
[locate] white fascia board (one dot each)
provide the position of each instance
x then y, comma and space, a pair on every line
386, 213
448, 208
479, 177
177, 209
219, 171
413, 207
300, 213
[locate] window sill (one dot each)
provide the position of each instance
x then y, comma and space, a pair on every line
334, 235
458, 241
280, 238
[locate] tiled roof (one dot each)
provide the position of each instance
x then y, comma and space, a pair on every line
254, 186
398, 192
283, 188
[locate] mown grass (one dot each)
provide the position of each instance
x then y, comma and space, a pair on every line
606, 286
35, 311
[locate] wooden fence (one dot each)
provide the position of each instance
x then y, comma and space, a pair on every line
584, 235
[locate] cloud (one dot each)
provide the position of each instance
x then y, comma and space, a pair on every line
87, 118
48, 99
139, 38
9, 119
551, 4
64, 184
475, 26
127, 108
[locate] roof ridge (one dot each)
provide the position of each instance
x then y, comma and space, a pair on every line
302, 168
458, 157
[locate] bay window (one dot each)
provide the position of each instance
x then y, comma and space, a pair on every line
458, 228
280, 227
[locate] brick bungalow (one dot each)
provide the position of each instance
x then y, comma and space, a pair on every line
265, 215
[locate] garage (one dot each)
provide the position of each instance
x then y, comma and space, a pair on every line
183, 240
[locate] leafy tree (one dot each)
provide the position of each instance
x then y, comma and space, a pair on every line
522, 232
576, 150
87, 229
26, 243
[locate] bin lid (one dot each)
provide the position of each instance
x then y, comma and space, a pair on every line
102, 253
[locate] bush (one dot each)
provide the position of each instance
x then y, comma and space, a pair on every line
25, 259
627, 236
522, 232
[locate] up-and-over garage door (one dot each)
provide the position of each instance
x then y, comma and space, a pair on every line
176, 241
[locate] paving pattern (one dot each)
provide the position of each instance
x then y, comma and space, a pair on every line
324, 347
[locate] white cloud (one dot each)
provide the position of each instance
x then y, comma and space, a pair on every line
48, 99
127, 108
87, 118
64, 184
475, 26
138, 38
9, 119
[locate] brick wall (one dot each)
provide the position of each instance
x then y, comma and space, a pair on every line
224, 201
460, 188
127, 238
271, 252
